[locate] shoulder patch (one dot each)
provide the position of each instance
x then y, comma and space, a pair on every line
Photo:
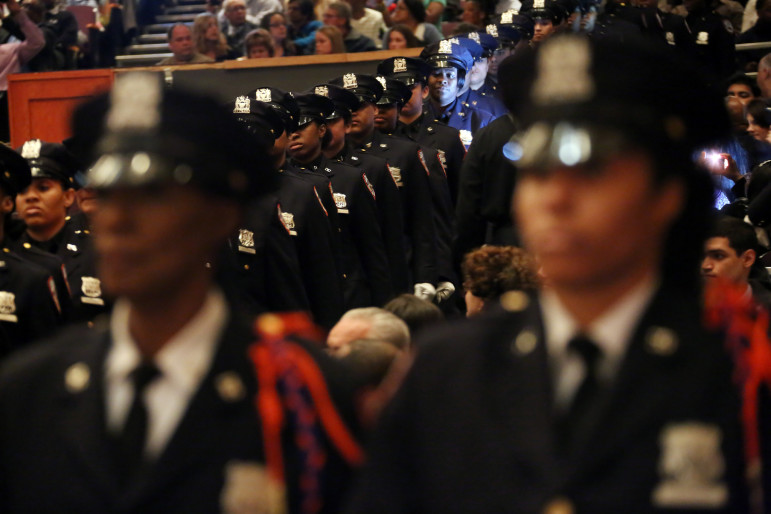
369, 185
396, 175
423, 161
52, 289
316, 192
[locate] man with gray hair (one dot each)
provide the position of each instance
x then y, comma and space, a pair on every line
764, 76
369, 323
182, 47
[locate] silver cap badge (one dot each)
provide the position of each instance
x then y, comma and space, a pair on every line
242, 105
349, 81
263, 95
563, 72
400, 65
473, 36
382, 81
321, 91
492, 30
31, 149
134, 102
445, 46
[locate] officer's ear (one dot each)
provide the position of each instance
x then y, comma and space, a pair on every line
748, 258
322, 130
425, 92
69, 197
6, 204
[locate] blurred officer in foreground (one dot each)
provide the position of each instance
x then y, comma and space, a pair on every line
157, 411
29, 306
43, 208
602, 393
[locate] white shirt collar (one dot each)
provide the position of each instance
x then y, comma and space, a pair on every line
184, 359
612, 331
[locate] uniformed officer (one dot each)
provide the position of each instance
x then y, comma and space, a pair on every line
450, 63
711, 39
364, 260
395, 94
160, 410
512, 30
602, 393
308, 213
477, 72
387, 198
29, 306
415, 125
547, 16
261, 267
480, 90
406, 164
43, 208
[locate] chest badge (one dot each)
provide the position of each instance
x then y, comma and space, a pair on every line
8, 307
341, 203
92, 289
702, 38
246, 241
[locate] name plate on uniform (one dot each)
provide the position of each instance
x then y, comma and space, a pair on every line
247, 250
9, 317
92, 301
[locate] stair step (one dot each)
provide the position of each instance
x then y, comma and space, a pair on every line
175, 18
146, 39
158, 28
127, 61
147, 49
185, 9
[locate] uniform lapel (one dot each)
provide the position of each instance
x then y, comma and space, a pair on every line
82, 417
521, 390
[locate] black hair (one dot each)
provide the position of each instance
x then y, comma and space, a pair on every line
417, 10
741, 78
306, 8
741, 236
416, 313
760, 112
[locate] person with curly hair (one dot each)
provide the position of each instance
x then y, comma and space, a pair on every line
490, 271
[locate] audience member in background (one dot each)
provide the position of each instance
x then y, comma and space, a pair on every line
259, 44
758, 119
181, 45
759, 33
338, 14
412, 14
731, 254
474, 13
764, 76
48, 59
434, 10
742, 87
367, 21
303, 23
214, 7
490, 271
65, 27
235, 26
209, 40
369, 323
400, 36
370, 360
14, 55
329, 40
275, 23
415, 312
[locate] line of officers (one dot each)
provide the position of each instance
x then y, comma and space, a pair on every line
364, 210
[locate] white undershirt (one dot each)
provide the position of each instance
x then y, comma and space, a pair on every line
612, 332
183, 362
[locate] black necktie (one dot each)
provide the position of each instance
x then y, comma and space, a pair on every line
573, 422
131, 441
